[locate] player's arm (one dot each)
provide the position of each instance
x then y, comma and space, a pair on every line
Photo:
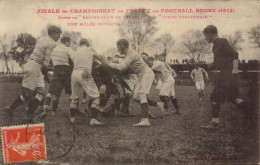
174, 73
192, 76
47, 56
232, 55
46, 63
206, 74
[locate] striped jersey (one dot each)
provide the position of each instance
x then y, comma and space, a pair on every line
39, 52
61, 55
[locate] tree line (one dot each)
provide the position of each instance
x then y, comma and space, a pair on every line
139, 32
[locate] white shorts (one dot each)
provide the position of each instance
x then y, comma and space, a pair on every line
159, 84
83, 79
131, 82
200, 85
144, 81
168, 88
33, 77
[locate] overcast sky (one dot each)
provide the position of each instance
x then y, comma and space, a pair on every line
21, 16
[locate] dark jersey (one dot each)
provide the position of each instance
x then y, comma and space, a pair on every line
224, 55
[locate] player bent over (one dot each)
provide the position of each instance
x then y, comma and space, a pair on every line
168, 81
81, 78
145, 75
61, 57
33, 80
226, 85
197, 77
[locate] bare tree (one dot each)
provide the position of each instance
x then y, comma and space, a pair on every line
137, 28
165, 43
235, 40
195, 46
254, 35
6, 45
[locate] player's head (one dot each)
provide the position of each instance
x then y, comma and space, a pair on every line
210, 33
66, 41
122, 46
145, 57
54, 32
84, 42
150, 61
196, 66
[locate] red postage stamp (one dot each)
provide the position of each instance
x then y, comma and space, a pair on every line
23, 143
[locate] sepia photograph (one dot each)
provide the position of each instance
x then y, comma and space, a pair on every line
129, 82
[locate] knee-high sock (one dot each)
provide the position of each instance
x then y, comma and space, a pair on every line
55, 104
215, 110
164, 100
32, 106
150, 102
200, 94
175, 103
17, 102
126, 104
102, 100
117, 102
145, 110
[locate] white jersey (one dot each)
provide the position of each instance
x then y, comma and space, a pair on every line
197, 74
83, 58
39, 52
61, 55
160, 66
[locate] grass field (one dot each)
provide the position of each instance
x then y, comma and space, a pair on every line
172, 140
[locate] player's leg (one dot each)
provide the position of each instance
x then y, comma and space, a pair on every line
217, 96
146, 81
198, 87
75, 92
37, 84
28, 86
34, 102
84, 99
174, 100
102, 92
25, 95
202, 87
91, 89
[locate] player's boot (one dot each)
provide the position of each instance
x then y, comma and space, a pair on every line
151, 115
144, 123
95, 122
161, 106
72, 114
83, 101
167, 112
46, 107
211, 125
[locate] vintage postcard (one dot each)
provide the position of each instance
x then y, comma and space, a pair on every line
129, 82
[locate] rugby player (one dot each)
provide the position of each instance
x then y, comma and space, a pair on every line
81, 78
145, 75
226, 85
197, 77
61, 57
33, 86
167, 89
